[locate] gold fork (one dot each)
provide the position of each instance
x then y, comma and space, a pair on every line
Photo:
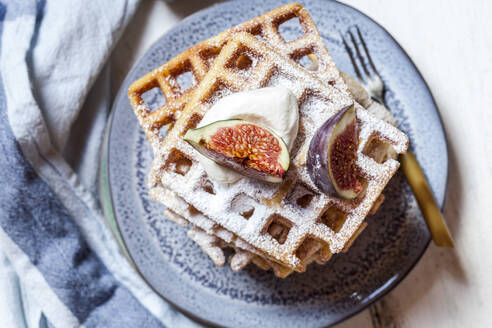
369, 77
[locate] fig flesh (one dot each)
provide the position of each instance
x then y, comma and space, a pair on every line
332, 155
250, 149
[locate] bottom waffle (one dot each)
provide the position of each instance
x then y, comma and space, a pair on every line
213, 239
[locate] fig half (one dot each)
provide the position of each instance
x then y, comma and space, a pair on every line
250, 149
332, 155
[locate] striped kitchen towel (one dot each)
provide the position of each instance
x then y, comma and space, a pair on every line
59, 264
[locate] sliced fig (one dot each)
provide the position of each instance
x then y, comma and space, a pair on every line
251, 149
332, 155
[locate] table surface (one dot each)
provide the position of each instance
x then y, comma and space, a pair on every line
452, 47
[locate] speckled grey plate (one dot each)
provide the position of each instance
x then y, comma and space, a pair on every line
176, 267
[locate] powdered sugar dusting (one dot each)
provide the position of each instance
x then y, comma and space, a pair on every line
217, 208
213, 213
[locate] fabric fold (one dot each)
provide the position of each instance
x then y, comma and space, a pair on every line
51, 228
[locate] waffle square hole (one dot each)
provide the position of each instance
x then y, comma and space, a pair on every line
278, 227
301, 195
154, 98
164, 129
209, 55
310, 62
242, 62
208, 187
334, 218
308, 247
185, 80
260, 37
248, 213
193, 211
193, 122
181, 77
291, 29
304, 200
257, 32
377, 149
244, 206
182, 166
178, 162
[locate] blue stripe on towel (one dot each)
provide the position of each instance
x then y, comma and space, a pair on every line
35, 219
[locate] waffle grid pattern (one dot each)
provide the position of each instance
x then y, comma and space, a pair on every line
282, 228
198, 59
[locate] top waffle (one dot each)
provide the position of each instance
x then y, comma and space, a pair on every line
296, 205
199, 58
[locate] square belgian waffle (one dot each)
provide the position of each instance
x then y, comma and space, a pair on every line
198, 59
288, 224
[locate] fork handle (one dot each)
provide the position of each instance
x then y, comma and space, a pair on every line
426, 201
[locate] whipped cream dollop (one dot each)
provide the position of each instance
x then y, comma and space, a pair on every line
273, 107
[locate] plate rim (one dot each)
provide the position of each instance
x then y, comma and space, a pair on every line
106, 194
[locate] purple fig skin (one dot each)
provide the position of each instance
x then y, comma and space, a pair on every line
317, 158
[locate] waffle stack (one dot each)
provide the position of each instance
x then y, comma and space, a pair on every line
280, 226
